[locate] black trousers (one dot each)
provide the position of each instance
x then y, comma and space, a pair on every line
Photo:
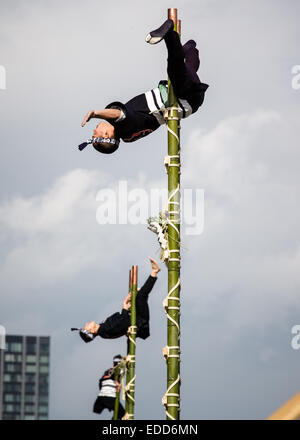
182, 66
182, 70
103, 402
142, 308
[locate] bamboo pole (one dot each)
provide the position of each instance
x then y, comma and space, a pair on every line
118, 375
126, 398
173, 369
131, 344
117, 398
289, 411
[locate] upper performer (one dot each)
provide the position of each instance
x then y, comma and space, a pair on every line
145, 113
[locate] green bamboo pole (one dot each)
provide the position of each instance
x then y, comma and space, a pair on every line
130, 376
126, 397
117, 398
173, 369
118, 375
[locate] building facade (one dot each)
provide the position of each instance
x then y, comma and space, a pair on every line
24, 378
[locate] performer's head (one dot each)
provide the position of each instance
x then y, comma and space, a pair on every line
117, 359
106, 131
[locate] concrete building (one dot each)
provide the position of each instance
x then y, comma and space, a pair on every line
24, 378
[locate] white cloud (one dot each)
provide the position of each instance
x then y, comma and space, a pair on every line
245, 264
53, 236
250, 248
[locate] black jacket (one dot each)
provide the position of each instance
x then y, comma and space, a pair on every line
144, 113
117, 324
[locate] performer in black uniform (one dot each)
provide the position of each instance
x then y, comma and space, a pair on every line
145, 113
117, 324
108, 386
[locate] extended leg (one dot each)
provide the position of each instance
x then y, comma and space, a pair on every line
176, 66
183, 61
192, 63
142, 308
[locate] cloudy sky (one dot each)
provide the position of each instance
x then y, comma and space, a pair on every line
240, 278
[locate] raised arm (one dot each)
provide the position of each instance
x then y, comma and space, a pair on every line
108, 114
154, 267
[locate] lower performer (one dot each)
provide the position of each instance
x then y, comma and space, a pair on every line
117, 324
108, 386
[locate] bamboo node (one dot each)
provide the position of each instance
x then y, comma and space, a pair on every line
168, 162
166, 352
128, 416
132, 330
171, 114
168, 394
130, 359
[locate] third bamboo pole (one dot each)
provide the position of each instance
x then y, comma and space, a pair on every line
130, 377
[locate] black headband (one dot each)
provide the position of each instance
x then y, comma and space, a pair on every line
99, 140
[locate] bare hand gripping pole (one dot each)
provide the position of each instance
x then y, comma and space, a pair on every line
118, 374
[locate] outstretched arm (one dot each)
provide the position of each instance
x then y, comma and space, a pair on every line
114, 326
108, 114
147, 286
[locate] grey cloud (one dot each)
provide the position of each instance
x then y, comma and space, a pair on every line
240, 278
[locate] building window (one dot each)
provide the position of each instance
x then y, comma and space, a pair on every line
9, 408
13, 368
16, 377
43, 389
12, 398
30, 378
43, 379
43, 417
44, 369
7, 377
29, 398
30, 368
8, 416
43, 409
29, 417
44, 359
29, 388
15, 347
9, 357
29, 408
31, 358
12, 387
43, 399
44, 346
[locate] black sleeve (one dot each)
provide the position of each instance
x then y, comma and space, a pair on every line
115, 325
148, 286
137, 123
126, 125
